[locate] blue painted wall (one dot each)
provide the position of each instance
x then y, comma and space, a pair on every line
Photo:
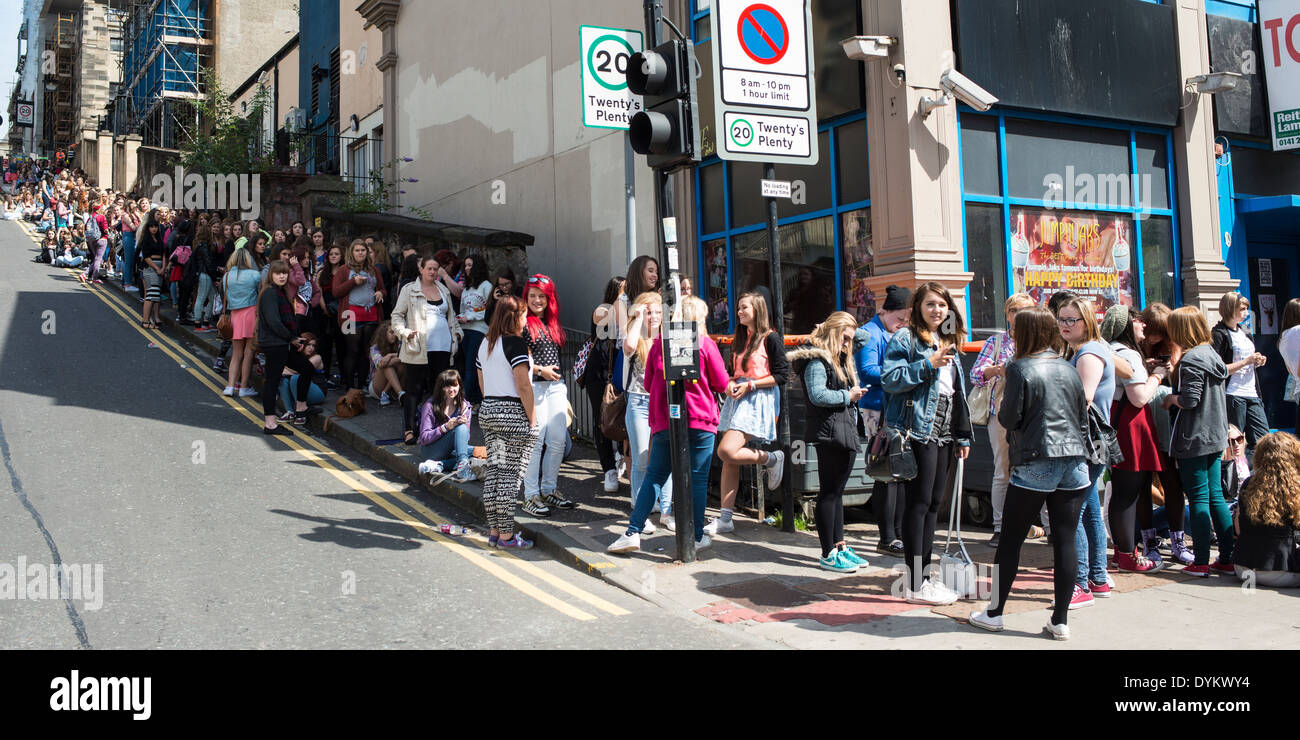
318, 28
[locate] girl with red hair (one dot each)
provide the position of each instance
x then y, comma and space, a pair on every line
545, 338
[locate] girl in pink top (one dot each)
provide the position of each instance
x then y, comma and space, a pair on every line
702, 414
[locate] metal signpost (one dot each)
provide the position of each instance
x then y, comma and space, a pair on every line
766, 108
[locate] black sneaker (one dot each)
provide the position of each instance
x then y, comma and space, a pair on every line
558, 501
535, 507
995, 540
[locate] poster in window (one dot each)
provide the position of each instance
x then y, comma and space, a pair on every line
1268, 313
718, 290
859, 299
1090, 254
1265, 273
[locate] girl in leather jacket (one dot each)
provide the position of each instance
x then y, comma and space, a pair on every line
1045, 413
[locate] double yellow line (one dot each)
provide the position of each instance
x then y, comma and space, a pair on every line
374, 488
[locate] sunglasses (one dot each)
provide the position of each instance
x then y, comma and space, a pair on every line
539, 279
1236, 440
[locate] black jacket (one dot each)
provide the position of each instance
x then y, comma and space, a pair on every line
833, 425
777, 362
1221, 339
1044, 410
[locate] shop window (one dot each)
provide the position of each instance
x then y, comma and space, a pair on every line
1153, 169
718, 290
859, 262
711, 192
979, 155
1265, 172
839, 79
702, 30
704, 87
851, 160
1090, 164
807, 270
1158, 278
986, 258
816, 190
747, 207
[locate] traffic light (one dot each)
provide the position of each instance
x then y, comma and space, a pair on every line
667, 129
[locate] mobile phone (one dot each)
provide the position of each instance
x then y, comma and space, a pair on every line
1163, 358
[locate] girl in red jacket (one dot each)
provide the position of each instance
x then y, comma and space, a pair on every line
360, 290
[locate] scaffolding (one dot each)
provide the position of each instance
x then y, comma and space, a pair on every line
166, 46
60, 118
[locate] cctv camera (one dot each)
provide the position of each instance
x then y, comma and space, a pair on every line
862, 48
958, 84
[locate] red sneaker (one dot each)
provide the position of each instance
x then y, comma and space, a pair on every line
1099, 590
1079, 600
1222, 567
1133, 563
1202, 571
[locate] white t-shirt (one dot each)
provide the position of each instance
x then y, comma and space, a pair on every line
1242, 382
1135, 361
1289, 346
498, 367
438, 338
947, 379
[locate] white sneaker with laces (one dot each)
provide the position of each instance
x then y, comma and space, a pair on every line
1057, 631
929, 595
775, 469
703, 543
720, 526
246, 392
611, 481
624, 544
985, 622
668, 522
229, 391
430, 466
649, 527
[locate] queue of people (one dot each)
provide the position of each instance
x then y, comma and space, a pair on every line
1132, 430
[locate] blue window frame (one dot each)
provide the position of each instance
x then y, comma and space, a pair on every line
985, 135
728, 231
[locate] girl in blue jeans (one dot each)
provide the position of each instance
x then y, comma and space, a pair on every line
702, 412
444, 427
1077, 320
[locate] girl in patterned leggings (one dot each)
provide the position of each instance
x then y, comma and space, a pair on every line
505, 372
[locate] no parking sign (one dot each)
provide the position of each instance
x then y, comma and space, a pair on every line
764, 106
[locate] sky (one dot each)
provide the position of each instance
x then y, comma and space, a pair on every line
11, 18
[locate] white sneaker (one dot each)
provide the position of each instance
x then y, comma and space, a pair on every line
430, 466
985, 622
719, 526
929, 595
246, 392
649, 527
1057, 631
704, 543
229, 391
625, 543
775, 469
668, 522
945, 590
611, 481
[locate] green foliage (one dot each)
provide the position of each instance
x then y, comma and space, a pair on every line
380, 193
226, 142
800, 524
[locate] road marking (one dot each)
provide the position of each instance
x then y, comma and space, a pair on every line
326, 458
473, 556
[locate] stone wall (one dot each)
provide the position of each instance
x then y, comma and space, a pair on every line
281, 204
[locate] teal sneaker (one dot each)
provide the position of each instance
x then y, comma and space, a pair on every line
837, 563
847, 553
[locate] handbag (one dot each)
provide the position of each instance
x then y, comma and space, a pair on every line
889, 456
580, 364
613, 406
1103, 442
225, 328
981, 398
956, 568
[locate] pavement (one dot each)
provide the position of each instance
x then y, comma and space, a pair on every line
764, 583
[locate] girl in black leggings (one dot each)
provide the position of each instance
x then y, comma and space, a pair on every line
830, 381
926, 400
1044, 412
360, 290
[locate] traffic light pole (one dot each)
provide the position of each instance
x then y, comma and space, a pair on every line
678, 431
778, 323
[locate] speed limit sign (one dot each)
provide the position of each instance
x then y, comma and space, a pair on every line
606, 101
25, 114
